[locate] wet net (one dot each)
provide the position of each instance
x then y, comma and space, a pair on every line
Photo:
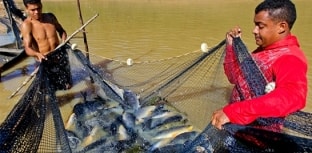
11, 47
76, 104
11, 19
35, 123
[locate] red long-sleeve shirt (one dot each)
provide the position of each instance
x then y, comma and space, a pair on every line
282, 62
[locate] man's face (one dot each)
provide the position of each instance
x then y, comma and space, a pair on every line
266, 30
34, 11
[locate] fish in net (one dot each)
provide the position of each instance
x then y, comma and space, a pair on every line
153, 106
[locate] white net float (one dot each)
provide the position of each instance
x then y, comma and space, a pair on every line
74, 46
129, 61
204, 47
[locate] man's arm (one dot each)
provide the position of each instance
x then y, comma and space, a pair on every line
288, 96
62, 33
231, 68
26, 29
230, 64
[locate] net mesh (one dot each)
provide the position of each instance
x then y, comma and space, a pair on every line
253, 75
13, 15
35, 123
154, 106
193, 83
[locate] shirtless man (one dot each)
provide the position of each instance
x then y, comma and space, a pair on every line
39, 31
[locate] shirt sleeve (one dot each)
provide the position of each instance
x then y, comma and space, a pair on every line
288, 96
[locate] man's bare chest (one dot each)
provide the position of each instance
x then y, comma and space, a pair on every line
43, 30
44, 27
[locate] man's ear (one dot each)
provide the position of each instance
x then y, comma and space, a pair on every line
283, 26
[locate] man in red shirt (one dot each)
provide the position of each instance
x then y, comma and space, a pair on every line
281, 61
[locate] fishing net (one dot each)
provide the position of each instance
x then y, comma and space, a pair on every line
193, 83
76, 104
35, 123
11, 50
13, 16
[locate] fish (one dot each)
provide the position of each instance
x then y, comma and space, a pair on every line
88, 109
174, 148
116, 110
128, 120
109, 89
131, 100
144, 113
77, 127
122, 133
173, 132
163, 118
71, 122
73, 140
111, 104
94, 122
106, 125
185, 138
159, 144
201, 149
101, 145
96, 134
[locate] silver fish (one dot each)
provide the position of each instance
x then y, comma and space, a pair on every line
96, 134
163, 118
128, 119
169, 148
88, 109
71, 123
161, 143
94, 122
131, 100
111, 89
75, 126
73, 140
185, 137
122, 133
143, 113
173, 132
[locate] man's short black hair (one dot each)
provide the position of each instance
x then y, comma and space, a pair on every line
31, 2
279, 10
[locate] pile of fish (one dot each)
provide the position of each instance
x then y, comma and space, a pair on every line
104, 125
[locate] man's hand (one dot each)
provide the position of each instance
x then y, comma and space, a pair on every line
219, 118
235, 32
39, 57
